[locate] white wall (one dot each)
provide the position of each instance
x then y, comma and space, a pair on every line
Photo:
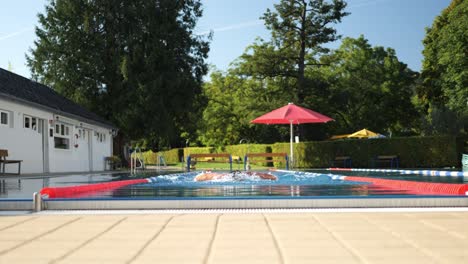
22, 143
26, 144
101, 148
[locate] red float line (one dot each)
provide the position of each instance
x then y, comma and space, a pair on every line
80, 190
415, 187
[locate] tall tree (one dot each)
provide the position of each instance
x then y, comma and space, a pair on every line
299, 28
137, 63
369, 88
445, 67
232, 102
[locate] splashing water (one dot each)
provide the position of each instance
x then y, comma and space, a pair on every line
248, 178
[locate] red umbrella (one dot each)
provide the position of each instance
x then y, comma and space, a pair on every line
291, 114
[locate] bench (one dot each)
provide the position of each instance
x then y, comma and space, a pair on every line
192, 159
345, 161
214, 157
391, 160
4, 161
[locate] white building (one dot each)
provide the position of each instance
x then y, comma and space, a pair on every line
49, 132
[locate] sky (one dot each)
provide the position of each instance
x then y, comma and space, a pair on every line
398, 24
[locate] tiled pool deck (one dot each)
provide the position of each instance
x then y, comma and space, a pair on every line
346, 236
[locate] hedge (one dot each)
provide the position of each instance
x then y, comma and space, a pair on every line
200, 150
241, 150
414, 152
172, 156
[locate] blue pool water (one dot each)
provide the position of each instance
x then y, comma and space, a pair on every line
289, 184
318, 183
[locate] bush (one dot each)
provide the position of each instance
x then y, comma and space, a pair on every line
414, 152
242, 150
199, 150
149, 157
172, 156
424, 152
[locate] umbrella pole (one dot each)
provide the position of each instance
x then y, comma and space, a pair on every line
291, 145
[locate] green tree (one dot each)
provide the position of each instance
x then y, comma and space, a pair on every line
298, 28
233, 101
444, 86
136, 63
369, 88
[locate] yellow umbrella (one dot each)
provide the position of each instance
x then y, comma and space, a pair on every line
364, 133
340, 136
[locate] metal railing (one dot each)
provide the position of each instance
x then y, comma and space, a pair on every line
136, 161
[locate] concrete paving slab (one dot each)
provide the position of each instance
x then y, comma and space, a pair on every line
304, 237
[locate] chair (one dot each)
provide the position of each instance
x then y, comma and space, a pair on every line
4, 161
345, 161
392, 160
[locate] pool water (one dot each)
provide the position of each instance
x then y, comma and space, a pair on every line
182, 185
289, 184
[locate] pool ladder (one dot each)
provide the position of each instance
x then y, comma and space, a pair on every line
161, 162
136, 161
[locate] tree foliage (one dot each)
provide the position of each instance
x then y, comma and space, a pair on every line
369, 87
298, 28
136, 63
233, 101
444, 86
360, 86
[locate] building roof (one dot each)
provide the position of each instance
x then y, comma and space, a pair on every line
22, 89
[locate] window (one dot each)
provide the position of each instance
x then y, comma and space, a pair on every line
100, 137
62, 130
4, 118
82, 134
27, 121
61, 143
34, 123
31, 122
62, 136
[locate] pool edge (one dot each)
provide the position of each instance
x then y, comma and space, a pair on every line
254, 203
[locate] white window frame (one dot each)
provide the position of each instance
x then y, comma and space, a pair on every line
26, 124
100, 137
31, 120
7, 118
81, 134
62, 131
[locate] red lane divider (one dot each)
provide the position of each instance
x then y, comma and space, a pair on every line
75, 191
416, 187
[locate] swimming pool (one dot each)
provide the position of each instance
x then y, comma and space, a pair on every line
288, 184
300, 189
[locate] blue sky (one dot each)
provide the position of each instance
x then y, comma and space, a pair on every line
399, 24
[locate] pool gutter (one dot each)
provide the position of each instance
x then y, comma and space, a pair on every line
92, 204
193, 203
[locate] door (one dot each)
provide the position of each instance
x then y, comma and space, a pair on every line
81, 147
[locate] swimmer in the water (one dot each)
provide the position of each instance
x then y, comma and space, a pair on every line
208, 176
